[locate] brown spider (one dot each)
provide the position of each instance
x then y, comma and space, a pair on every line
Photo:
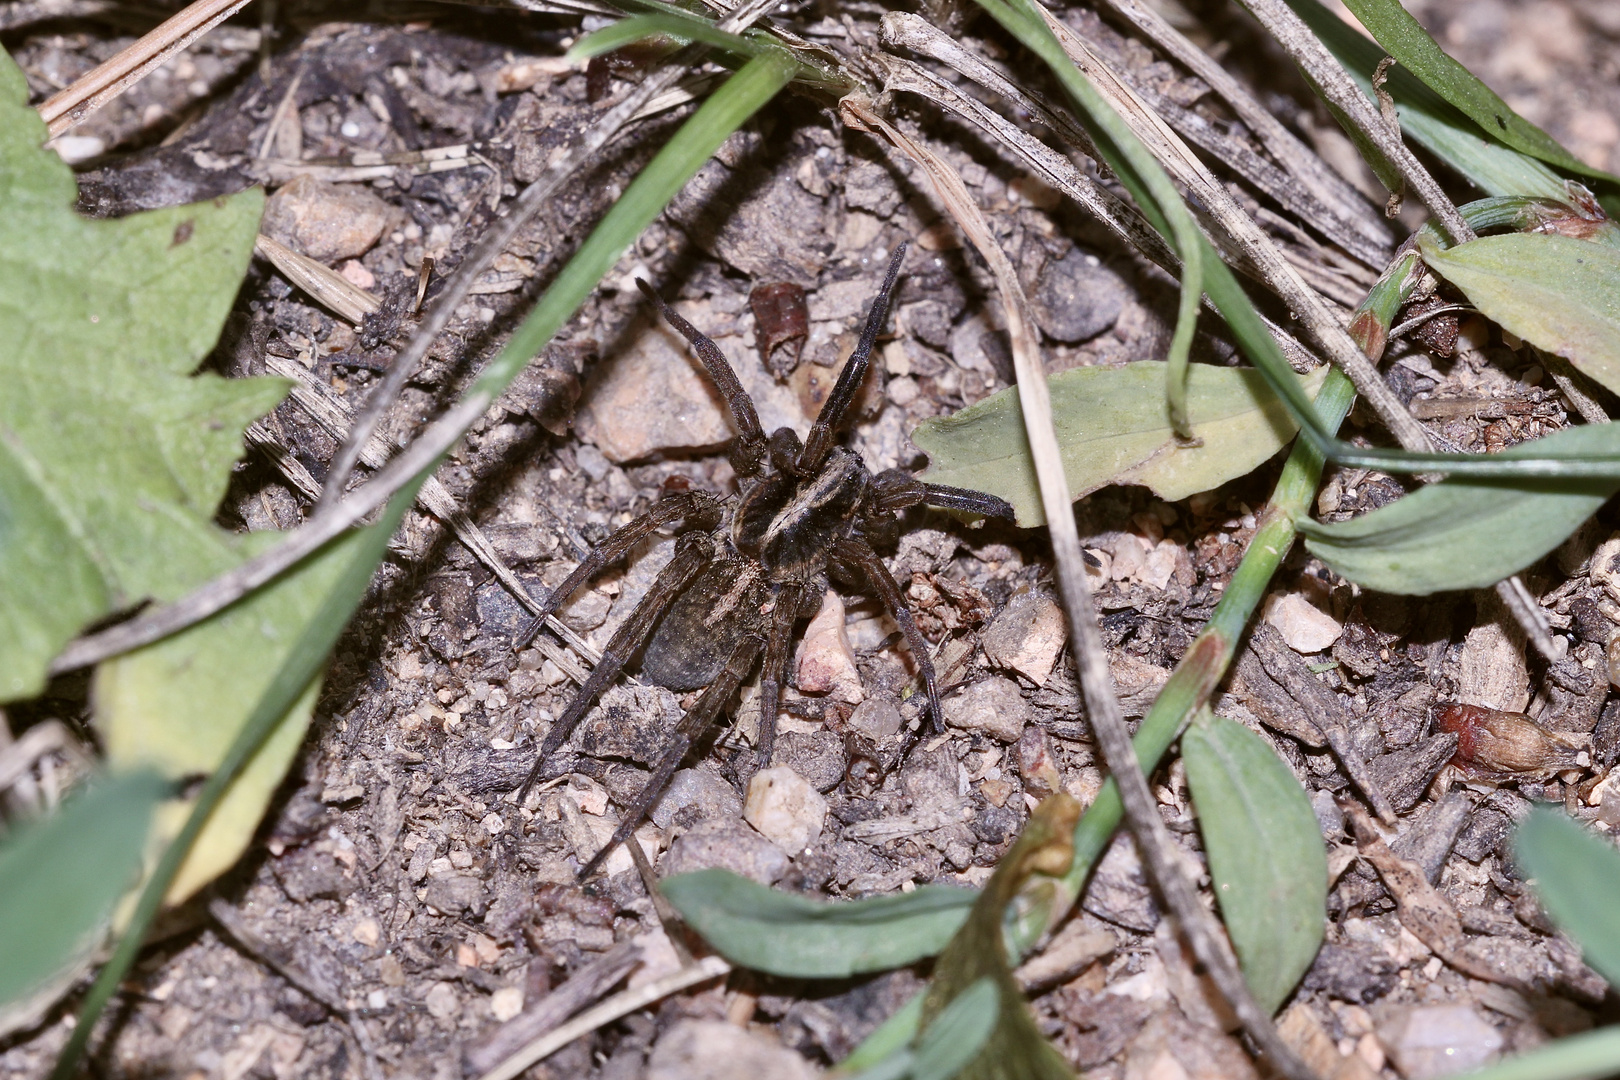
736, 587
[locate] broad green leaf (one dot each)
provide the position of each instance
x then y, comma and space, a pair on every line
1468, 533
60, 876
1556, 292
1030, 873
1588, 1056
958, 1033
776, 932
1265, 853
1492, 166
1404, 38
1577, 878
113, 455
1114, 428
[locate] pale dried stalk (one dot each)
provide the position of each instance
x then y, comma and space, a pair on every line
1300, 161
117, 74
1321, 324
324, 285
621, 1004
500, 233
1335, 84
1102, 706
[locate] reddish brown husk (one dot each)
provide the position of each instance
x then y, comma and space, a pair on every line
1502, 745
783, 321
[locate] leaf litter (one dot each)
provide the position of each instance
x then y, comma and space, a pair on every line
397, 880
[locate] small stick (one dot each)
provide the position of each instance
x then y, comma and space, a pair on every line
1334, 83
117, 74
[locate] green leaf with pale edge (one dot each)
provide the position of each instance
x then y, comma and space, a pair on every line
1265, 853
177, 705
1468, 533
1556, 292
113, 455
1492, 166
61, 875
782, 934
1577, 878
1114, 428
1404, 38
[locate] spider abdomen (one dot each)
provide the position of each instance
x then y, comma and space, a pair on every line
791, 523
699, 632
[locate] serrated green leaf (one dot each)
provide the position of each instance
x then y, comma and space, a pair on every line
1468, 533
113, 455
1114, 428
1577, 877
61, 875
1404, 38
1265, 853
776, 932
1556, 292
1493, 167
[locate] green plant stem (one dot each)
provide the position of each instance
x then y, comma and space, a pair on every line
1210, 654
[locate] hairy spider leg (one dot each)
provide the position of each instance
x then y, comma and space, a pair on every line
687, 734
696, 551
749, 449
857, 552
897, 489
773, 672
699, 508
823, 431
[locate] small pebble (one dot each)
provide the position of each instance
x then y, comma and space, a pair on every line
366, 932
716, 1050
1027, 637
726, 844
506, 1003
442, 1002
325, 221
994, 706
1429, 1041
702, 790
826, 661
877, 718
785, 809
1305, 627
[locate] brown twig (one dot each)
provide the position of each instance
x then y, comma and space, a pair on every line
112, 77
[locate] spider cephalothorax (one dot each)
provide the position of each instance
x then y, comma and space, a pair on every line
747, 569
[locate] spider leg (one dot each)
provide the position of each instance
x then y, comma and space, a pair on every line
750, 447
849, 381
695, 552
897, 489
689, 731
774, 671
860, 553
698, 507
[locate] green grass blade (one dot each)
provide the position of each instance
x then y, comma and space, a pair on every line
1404, 38
782, 934
1590, 1056
1577, 877
683, 28
1265, 853
60, 876
958, 1033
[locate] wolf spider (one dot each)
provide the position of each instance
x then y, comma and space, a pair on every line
736, 588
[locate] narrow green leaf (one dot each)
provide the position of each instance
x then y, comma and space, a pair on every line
1265, 853
1404, 38
1556, 292
1492, 166
1577, 877
776, 932
1114, 427
1468, 533
958, 1033
1588, 1056
683, 28
890, 1042
60, 876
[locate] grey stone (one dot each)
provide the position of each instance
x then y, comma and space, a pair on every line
818, 756
1438, 1040
456, 894
877, 718
1077, 297
994, 706
716, 1050
726, 844
696, 795
1119, 890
